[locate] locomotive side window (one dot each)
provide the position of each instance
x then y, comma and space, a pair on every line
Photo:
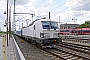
34, 27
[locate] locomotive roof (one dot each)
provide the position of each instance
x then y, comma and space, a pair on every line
38, 20
35, 21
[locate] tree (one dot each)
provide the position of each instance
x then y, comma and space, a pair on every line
85, 25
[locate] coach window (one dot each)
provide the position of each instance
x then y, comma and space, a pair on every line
34, 27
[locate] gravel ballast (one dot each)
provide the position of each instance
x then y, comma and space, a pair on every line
31, 52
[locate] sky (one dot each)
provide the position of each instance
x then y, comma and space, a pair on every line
65, 9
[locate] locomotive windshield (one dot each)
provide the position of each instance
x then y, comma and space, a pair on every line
49, 25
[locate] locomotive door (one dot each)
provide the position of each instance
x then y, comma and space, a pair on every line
34, 31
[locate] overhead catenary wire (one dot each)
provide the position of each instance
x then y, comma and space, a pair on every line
24, 7
71, 6
45, 6
81, 5
57, 6
39, 3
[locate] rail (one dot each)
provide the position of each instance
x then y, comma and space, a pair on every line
19, 55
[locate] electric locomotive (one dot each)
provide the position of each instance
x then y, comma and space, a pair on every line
42, 32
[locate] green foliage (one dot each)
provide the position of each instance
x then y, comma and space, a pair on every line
85, 25
12, 32
2, 32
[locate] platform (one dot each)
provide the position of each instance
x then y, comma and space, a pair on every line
9, 52
6, 52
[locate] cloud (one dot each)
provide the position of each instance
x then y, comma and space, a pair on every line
70, 3
78, 5
75, 8
19, 2
77, 13
50, 1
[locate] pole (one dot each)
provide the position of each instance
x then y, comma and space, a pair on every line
49, 15
32, 17
59, 22
24, 13
14, 17
7, 23
21, 29
3, 26
22, 25
59, 25
74, 24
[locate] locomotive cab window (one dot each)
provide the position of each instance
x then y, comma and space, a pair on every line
49, 25
45, 24
54, 25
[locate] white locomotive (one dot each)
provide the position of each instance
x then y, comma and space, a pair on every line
42, 32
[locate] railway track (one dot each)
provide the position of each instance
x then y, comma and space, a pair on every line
62, 55
67, 51
76, 50
78, 39
63, 52
76, 45
80, 48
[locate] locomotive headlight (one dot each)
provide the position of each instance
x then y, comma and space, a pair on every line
41, 44
42, 35
55, 40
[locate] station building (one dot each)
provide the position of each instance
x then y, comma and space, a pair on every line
63, 26
88, 21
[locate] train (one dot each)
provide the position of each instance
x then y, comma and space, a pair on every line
77, 31
66, 31
42, 32
82, 31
